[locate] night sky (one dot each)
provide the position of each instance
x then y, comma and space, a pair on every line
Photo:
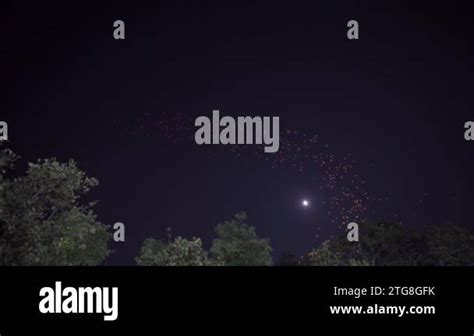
370, 128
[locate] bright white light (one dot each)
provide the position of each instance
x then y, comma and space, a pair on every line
305, 203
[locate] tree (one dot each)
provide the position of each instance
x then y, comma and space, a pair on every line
179, 252
328, 254
381, 243
449, 246
389, 244
238, 245
42, 218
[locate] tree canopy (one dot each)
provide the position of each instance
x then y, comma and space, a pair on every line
179, 252
390, 244
43, 219
237, 244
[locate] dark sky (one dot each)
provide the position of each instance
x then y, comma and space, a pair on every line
370, 129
